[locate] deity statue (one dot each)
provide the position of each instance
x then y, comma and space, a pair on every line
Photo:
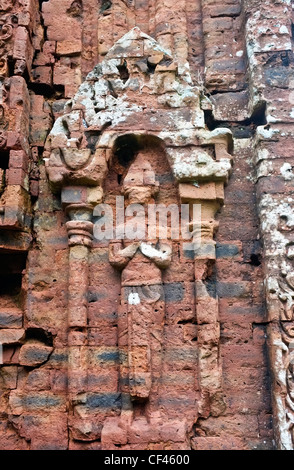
142, 308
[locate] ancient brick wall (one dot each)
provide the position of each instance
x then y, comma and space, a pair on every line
199, 96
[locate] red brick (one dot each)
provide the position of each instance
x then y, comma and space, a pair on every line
18, 159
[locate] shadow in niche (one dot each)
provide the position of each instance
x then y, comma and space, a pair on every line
40, 335
126, 148
125, 152
4, 159
106, 5
11, 268
4, 165
123, 72
75, 9
47, 91
240, 129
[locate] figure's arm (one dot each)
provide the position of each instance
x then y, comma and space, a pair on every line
119, 256
161, 257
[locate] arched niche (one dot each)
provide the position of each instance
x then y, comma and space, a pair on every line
151, 149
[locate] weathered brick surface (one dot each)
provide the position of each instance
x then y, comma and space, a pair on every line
241, 60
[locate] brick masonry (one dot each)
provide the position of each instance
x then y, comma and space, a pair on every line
221, 338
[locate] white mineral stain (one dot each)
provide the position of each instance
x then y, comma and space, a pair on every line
284, 30
134, 299
286, 171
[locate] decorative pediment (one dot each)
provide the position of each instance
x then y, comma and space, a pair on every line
138, 89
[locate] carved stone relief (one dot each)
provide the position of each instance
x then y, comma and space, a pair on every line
280, 295
123, 105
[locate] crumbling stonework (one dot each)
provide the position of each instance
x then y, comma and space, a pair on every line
150, 343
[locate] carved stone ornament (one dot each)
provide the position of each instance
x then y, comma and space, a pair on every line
278, 226
6, 5
6, 31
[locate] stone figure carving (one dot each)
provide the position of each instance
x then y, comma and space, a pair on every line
142, 300
6, 30
142, 310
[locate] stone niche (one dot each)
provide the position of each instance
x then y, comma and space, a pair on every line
12, 300
136, 129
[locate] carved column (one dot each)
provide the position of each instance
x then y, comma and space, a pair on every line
80, 235
208, 197
80, 230
277, 227
274, 176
